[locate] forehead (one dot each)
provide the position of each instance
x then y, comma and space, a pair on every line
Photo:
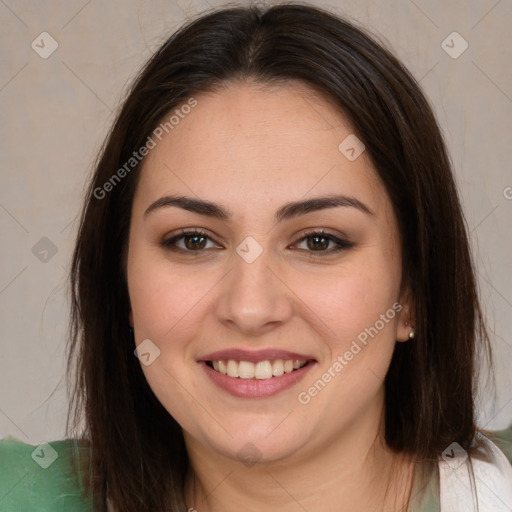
252, 145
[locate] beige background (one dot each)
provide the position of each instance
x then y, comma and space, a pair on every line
56, 111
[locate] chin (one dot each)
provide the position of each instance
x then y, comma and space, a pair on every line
253, 446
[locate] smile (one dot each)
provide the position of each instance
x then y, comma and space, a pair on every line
262, 370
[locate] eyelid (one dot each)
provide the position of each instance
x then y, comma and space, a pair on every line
321, 231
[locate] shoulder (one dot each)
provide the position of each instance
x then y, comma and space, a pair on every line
41, 477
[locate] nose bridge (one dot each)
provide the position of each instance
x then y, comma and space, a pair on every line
253, 298
251, 270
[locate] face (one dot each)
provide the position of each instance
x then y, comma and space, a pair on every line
237, 263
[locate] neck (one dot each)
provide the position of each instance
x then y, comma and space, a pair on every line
354, 471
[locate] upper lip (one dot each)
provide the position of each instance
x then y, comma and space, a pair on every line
254, 356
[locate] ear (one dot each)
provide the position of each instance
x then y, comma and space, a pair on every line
405, 318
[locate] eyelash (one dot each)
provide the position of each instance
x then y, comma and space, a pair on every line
183, 233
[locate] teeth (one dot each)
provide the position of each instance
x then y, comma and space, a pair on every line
277, 368
232, 368
262, 370
246, 370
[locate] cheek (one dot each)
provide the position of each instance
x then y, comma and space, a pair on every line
349, 301
162, 295
164, 301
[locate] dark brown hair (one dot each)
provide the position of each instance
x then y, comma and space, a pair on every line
137, 452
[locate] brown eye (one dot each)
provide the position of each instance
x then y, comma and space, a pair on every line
318, 242
188, 241
323, 243
194, 242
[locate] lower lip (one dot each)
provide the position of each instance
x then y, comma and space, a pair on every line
256, 388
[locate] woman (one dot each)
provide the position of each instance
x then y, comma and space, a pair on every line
274, 304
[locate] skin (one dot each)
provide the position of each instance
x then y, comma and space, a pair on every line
252, 149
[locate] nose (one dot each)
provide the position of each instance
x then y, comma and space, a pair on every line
254, 298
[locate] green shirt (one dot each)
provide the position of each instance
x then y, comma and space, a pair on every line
41, 478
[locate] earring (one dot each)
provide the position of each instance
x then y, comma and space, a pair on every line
131, 331
412, 332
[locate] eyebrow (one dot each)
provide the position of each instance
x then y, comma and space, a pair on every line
288, 211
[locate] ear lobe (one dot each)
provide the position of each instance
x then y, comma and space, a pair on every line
405, 329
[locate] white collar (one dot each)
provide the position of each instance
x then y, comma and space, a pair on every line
492, 479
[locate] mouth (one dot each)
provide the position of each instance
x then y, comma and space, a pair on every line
258, 374
261, 370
